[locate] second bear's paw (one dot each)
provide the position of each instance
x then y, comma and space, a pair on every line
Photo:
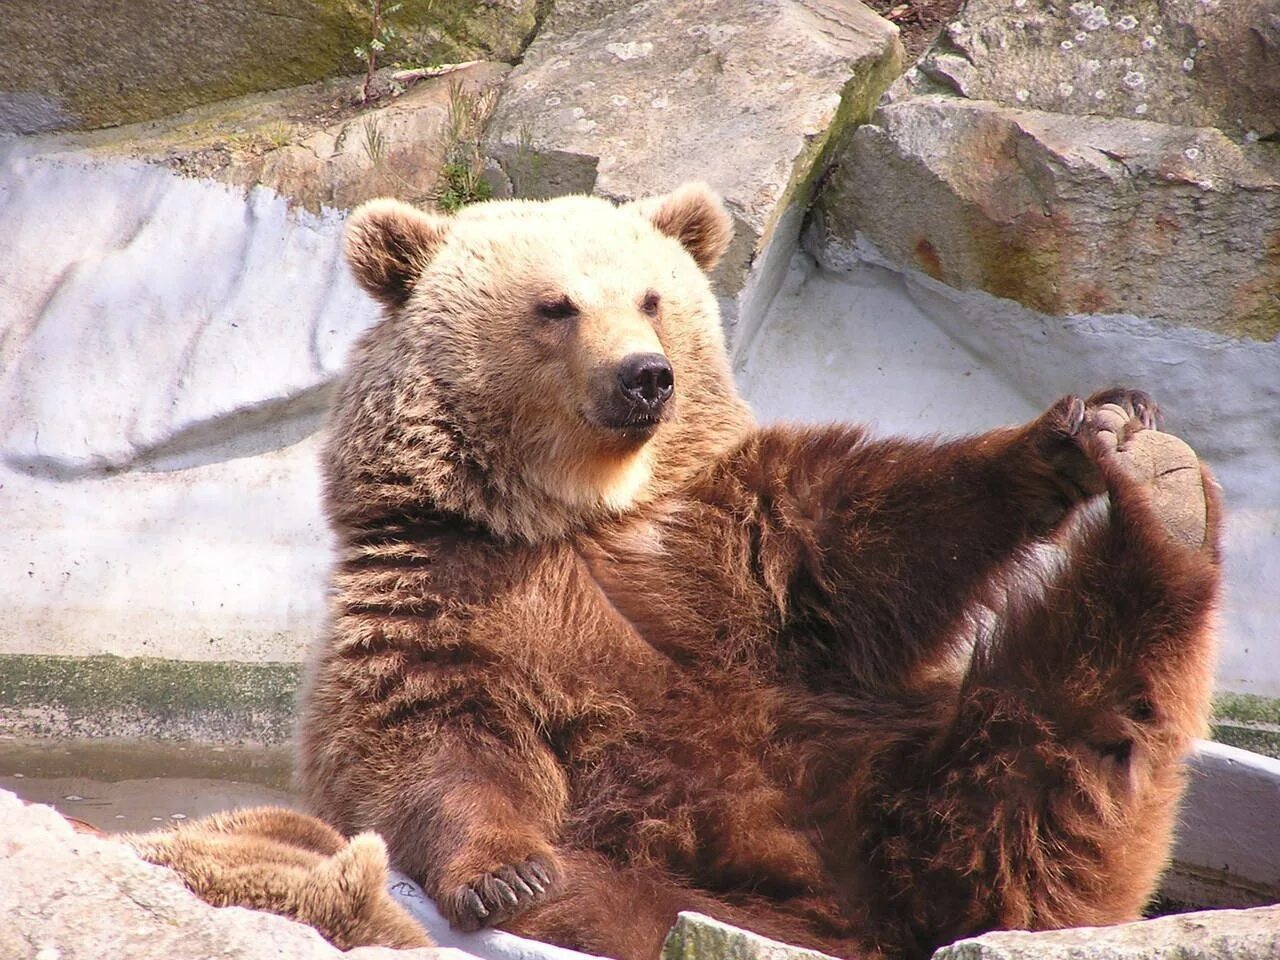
500, 894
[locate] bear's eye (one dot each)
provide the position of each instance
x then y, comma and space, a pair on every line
561, 308
650, 303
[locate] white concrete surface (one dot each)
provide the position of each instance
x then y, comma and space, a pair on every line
857, 340
1228, 841
484, 944
165, 350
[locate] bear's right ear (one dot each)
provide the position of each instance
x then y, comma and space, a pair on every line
389, 244
695, 215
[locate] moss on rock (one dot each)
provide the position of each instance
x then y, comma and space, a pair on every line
86, 64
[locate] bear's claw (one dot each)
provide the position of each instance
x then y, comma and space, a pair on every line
498, 895
1136, 404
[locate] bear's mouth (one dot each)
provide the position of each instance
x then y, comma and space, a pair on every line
632, 426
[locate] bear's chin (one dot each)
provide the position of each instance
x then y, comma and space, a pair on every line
612, 472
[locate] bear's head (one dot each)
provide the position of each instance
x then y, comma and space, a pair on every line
541, 366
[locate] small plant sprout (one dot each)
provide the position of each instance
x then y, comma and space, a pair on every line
381, 32
462, 177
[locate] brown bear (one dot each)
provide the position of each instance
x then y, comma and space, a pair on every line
285, 862
603, 649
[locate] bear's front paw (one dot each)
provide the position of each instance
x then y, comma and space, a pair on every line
500, 894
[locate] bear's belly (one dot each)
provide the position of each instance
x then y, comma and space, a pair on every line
696, 782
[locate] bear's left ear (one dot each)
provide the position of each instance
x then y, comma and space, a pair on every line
389, 244
694, 215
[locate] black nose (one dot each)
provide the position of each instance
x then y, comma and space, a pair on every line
646, 377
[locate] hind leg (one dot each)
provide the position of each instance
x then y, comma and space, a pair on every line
625, 912
1050, 798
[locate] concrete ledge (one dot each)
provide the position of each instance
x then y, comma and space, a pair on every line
1227, 852
234, 702
145, 698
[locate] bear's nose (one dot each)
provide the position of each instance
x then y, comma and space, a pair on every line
646, 377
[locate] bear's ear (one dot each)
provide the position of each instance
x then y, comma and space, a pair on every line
694, 215
389, 244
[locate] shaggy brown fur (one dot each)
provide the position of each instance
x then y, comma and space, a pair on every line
286, 862
863, 694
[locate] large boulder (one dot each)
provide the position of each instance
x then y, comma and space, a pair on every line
627, 99
1210, 935
1197, 63
1069, 214
81, 64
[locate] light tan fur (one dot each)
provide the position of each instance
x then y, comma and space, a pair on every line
467, 356
285, 862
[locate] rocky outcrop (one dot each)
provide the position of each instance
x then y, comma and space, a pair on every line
1217, 935
85, 64
75, 897
629, 99
1079, 159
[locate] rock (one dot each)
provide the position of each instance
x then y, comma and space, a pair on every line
699, 937
629, 99
309, 144
1208, 63
71, 896
81, 64
1217, 935
1067, 214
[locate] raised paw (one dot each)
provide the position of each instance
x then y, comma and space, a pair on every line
1074, 435
1173, 473
1120, 426
1136, 406
500, 894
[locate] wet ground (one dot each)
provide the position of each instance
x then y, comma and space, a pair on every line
130, 785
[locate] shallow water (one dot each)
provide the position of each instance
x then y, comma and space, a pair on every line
118, 785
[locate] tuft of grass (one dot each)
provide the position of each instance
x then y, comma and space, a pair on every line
462, 176
525, 166
459, 186
374, 143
